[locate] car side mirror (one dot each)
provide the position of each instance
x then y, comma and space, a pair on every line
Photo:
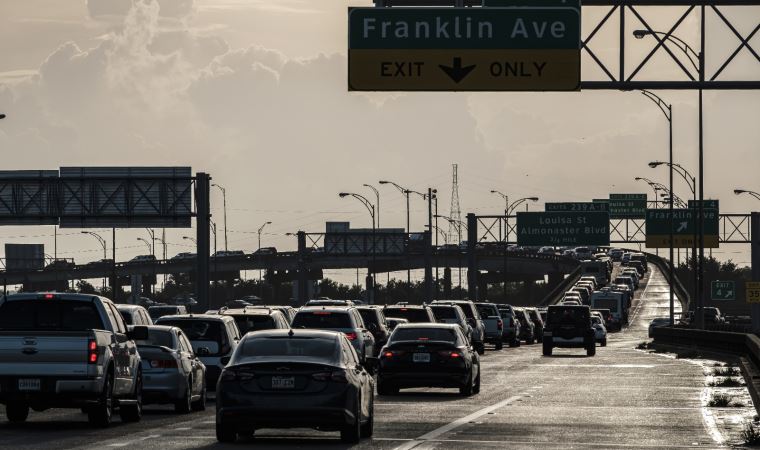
203, 351
138, 333
224, 359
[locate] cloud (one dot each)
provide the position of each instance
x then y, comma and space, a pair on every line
120, 8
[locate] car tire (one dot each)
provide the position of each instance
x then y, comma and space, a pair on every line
200, 404
591, 350
481, 348
184, 405
17, 412
517, 343
225, 433
467, 389
100, 415
604, 342
385, 388
547, 348
368, 428
499, 345
512, 343
476, 388
530, 341
133, 413
351, 432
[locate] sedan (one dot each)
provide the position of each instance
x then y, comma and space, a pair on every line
658, 322
428, 355
171, 371
600, 331
295, 379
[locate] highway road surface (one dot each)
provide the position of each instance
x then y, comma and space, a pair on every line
621, 398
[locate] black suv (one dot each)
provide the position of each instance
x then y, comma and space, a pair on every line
569, 326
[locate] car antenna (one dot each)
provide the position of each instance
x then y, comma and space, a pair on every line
290, 333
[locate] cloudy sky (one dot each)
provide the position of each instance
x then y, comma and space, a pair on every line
254, 93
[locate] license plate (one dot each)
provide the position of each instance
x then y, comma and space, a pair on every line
29, 384
283, 382
421, 357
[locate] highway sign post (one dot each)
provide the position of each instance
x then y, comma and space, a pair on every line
684, 226
464, 49
723, 290
563, 228
577, 206
628, 206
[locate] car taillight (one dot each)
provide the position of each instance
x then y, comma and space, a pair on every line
237, 375
351, 336
92, 352
338, 376
163, 363
450, 354
500, 324
391, 354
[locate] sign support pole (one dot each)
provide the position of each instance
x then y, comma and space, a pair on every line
472, 263
755, 244
203, 225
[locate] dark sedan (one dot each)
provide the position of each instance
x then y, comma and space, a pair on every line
428, 355
295, 379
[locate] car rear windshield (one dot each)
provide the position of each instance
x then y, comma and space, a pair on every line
54, 314
289, 346
161, 338
198, 330
444, 312
369, 316
487, 310
322, 319
560, 316
246, 323
423, 334
413, 315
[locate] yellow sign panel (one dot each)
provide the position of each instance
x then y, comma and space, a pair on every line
753, 291
680, 241
464, 70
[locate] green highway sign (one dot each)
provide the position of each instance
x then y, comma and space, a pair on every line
684, 228
577, 206
534, 3
628, 206
723, 290
563, 228
464, 49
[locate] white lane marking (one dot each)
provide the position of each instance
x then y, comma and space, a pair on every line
457, 423
124, 444
709, 419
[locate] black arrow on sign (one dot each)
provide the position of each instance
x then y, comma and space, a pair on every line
456, 72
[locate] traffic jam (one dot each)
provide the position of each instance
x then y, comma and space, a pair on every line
319, 366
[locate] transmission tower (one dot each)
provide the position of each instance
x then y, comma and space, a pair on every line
455, 213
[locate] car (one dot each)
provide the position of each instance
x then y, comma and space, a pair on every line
477, 336
265, 251
345, 319
527, 328
157, 312
60, 264
617, 305
185, 300
142, 259
572, 295
713, 316
428, 355
171, 371
228, 254
583, 253
615, 253
134, 315
658, 322
638, 266
626, 257
546, 251
451, 314
213, 337
627, 292
538, 323
412, 313
642, 258
633, 273
591, 279
256, 318
184, 256
626, 280
288, 311
599, 330
393, 322
569, 327
61, 350
374, 320
145, 302
236, 304
569, 254
106, 262
295, 379
511, 332
571, 302
494, 325
582, 292
329, 302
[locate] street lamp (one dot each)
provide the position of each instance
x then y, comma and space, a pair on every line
699, 65
224, 202
193, 240
743, 191
667, 110
371, 209
407, 193
377, 196
102, 243
261, 228
152, 234
145, 241
2, 116
458, 224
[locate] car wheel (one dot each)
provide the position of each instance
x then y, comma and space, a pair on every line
476, 388
184, 405
530, 341
481, 348
200, 404
512, 343
16, 412
499, 345
467, 389
547, 348
101, 414
369, 428
225, 433
517, 343
604, 342
351, 432
591, 350
133, 413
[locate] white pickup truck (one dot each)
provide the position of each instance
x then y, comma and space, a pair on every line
68, 351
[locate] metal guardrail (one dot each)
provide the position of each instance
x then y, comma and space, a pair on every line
558, 292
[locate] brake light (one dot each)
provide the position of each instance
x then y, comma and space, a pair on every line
351, 336
322, 313
337, 376
391, 354
92, 352
423, 339
237, 375
163, 363
450, 354
48, 296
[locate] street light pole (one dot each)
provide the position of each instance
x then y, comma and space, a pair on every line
224, 203
377, 197
261, 228
744, 191
407, 193
102, 244
371, 208
506, 239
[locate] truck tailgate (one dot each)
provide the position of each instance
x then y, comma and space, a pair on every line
44, 354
